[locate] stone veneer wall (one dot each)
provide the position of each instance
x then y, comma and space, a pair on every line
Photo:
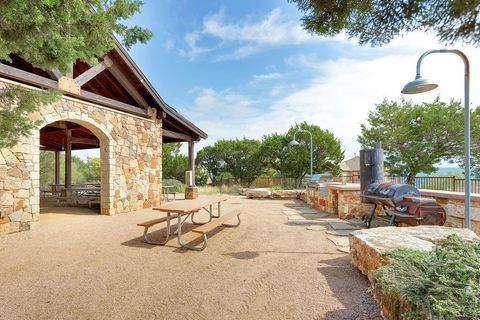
344, 200
131, 163
340, 199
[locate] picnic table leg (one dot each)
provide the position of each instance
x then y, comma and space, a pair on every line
167, 236
232, 225
210, 215
185, 245
211, 212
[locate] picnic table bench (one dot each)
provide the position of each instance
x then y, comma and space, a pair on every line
187, 209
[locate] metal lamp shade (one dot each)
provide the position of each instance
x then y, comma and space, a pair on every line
293, 143
419, 85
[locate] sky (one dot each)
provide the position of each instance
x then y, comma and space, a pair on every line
247, 68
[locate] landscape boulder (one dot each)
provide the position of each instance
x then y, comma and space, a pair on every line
287, 194
259, 193
368, 245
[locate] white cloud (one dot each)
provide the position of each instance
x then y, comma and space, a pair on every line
267, 76
192, 39
250, 37
339, 95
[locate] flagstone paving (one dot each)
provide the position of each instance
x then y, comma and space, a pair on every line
307, 222
340, 225
295, 217
317, 228
340, 241
340, 233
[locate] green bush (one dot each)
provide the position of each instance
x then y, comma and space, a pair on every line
441, 284
177, 185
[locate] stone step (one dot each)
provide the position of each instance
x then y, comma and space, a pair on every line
341, 225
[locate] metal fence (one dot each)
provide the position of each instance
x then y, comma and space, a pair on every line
284, 183
441, 183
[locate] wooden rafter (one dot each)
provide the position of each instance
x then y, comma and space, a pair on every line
132, 91
55, 73
92, 72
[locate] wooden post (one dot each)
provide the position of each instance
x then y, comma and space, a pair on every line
68, 158
191, 160
57, 167
453, 184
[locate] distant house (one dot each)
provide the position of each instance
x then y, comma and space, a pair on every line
350, 167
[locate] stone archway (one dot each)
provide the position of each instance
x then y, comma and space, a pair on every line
106, 158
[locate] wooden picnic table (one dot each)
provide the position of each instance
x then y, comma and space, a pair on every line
186, 208
166, 192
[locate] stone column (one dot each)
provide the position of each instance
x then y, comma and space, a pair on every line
191, 191
57, 167
68, 158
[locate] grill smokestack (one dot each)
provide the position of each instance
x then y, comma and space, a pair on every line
371, 167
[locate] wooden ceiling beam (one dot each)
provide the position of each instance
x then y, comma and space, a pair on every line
176, 135
58, 125
33, 79
132, 91
92, 73
85, 141
48, 148
27, 77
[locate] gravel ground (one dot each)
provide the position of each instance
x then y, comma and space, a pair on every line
87, 266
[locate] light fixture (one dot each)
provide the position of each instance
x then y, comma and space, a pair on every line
420, 85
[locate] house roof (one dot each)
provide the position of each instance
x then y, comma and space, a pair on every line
151, 89
352, 164
119, 84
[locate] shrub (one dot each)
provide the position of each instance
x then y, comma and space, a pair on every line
441, 284
177, 185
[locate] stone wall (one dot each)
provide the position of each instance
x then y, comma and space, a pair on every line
454, 204
337, 198
344, 200
131, 163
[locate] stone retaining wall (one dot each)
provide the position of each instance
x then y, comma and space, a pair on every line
131, 163
344, 200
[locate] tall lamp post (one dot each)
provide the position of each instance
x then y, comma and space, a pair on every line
420, 85
294, 142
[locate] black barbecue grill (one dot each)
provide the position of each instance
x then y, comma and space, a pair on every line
402, 203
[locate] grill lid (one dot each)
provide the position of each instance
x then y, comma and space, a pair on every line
391, 191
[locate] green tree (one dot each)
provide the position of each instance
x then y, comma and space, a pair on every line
82, 171
415, 137
174, 163
53, 35
201, 176
327, 152
275, 153
16, 104
241, 158
379, 21
209, 158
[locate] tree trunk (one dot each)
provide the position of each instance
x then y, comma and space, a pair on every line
411, 178
299, 182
